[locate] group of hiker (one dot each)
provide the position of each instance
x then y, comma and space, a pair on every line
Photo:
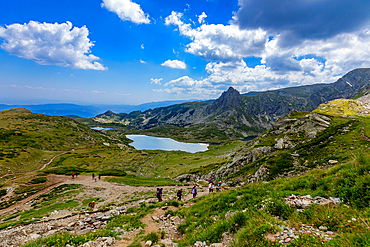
211, 186
194, 191
95, 178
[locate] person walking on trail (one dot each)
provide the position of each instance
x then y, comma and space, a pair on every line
218, 188
99, 176
93, 176
159, 194
210, 186
73, 175
194, 191
92, 205
179, 194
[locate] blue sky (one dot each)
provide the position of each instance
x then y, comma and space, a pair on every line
132, 52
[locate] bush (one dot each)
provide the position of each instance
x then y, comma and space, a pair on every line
38, 180
279, 208
68, 170
113, 172
173, 203
2, 193
151, 237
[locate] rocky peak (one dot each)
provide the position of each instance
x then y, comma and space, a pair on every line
228, 100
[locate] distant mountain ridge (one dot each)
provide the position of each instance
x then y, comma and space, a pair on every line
86, 111
242, 115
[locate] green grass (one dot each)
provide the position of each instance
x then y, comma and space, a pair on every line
142, 181
350, 182
38, 180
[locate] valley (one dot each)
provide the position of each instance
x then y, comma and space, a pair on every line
303, 181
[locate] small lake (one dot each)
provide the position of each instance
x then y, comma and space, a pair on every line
100, 128
143, 142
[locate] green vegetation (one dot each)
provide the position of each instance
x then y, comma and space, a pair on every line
128, 221
2, 192
252, 220
142, 181
38, 180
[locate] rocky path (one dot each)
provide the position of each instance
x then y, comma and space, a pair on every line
109, 193
21, 204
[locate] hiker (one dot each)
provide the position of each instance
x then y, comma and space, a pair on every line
73, 175
210, 186
159, 194
92, 205
99, 176
194, 191
76, 174
218, 188
179, 194
93, 176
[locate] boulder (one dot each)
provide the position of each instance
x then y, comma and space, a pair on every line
217, 245
335, 200
148, 243
333, 162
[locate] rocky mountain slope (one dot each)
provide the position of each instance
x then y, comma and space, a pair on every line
297, 143
235, 115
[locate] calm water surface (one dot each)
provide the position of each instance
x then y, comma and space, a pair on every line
143, 142
100, 128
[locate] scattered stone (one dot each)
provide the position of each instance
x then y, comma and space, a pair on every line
303, 202
148, 243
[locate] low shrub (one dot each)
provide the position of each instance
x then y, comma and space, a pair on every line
151, 237
38, 180
2, 193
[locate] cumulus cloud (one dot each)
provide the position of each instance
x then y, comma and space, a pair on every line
222, 75
156, 81
127, 11
201, 18
174, 64
142, 46
219, 42
291, 53
142, 61
51, 44
305, 19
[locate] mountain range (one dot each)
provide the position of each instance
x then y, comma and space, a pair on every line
86, 111
242, 115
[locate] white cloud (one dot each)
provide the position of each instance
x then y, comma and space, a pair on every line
127, 11
201, 18
51, 44
156, 81
220, 42
142, 46
307, 62
174, 64
142, 61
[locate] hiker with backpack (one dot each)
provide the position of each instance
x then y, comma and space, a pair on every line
92, 205
210, 186
179, 194
194, 191
159, 194
218, 188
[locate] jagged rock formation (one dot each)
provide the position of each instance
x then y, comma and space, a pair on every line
243, 115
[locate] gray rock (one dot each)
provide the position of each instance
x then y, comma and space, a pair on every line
105, 218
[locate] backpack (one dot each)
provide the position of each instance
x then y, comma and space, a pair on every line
194, 190
179, 193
